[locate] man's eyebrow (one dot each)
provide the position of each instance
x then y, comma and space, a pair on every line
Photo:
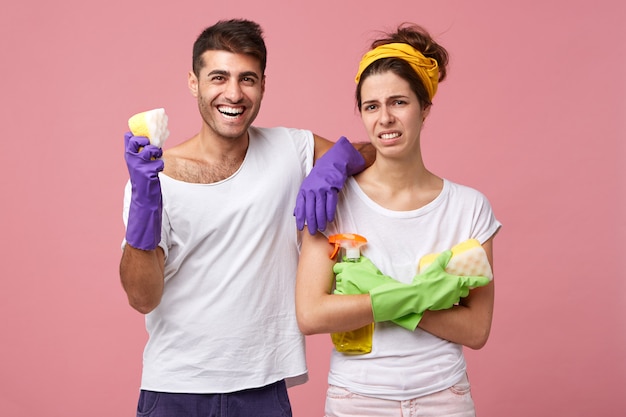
219, 72
228, 74
249, 74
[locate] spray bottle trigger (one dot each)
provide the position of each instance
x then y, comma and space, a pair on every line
345, 240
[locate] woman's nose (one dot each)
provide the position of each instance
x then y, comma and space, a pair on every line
386, 117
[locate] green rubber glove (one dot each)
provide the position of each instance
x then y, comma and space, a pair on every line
362, 276
433, 289
358, 277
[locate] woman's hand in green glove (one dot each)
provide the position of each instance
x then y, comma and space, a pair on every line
441, 289
358, 277
433, 289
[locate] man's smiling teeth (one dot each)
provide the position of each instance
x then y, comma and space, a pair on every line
389, 135
230, 111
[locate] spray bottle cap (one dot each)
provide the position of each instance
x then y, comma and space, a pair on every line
350, 241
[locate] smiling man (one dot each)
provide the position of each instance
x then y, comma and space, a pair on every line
210, 252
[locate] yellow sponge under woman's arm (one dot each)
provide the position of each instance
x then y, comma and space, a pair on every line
468, 259
151, 124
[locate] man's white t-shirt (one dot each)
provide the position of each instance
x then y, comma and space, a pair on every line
226, 321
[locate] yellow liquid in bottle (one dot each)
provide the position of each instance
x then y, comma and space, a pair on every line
355, 342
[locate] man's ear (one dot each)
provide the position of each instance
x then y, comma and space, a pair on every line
192, 83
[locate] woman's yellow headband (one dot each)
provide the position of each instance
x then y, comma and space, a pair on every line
426, 68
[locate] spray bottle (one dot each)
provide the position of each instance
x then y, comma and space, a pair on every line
359, 341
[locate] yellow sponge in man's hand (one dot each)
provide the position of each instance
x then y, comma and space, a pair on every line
151, 124
468, 259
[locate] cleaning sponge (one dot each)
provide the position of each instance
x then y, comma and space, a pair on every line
468, 259
151, 124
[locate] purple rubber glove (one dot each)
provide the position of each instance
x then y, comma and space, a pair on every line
143, 230
317, 199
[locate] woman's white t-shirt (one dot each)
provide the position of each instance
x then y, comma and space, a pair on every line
405, 364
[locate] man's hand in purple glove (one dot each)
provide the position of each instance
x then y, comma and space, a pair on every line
317, 199
143, 230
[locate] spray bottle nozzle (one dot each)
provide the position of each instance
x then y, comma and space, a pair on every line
350, 242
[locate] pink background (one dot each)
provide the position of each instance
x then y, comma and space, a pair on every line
533, 114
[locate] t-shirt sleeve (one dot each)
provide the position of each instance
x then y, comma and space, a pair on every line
486, 225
